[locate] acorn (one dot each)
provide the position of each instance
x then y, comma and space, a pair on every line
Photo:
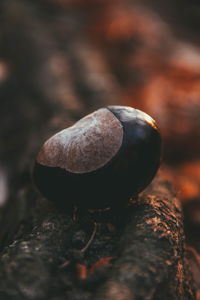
101, 161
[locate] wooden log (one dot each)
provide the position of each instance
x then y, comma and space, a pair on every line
28, 265
152, 260
146, 242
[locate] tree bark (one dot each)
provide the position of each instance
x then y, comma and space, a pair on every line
146, 243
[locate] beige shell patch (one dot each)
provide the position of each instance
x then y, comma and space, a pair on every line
86, 146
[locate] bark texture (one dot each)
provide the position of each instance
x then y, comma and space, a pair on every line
145, 242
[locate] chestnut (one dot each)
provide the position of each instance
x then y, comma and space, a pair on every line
100, 161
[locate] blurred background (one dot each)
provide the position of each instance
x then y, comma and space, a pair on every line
61, 59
